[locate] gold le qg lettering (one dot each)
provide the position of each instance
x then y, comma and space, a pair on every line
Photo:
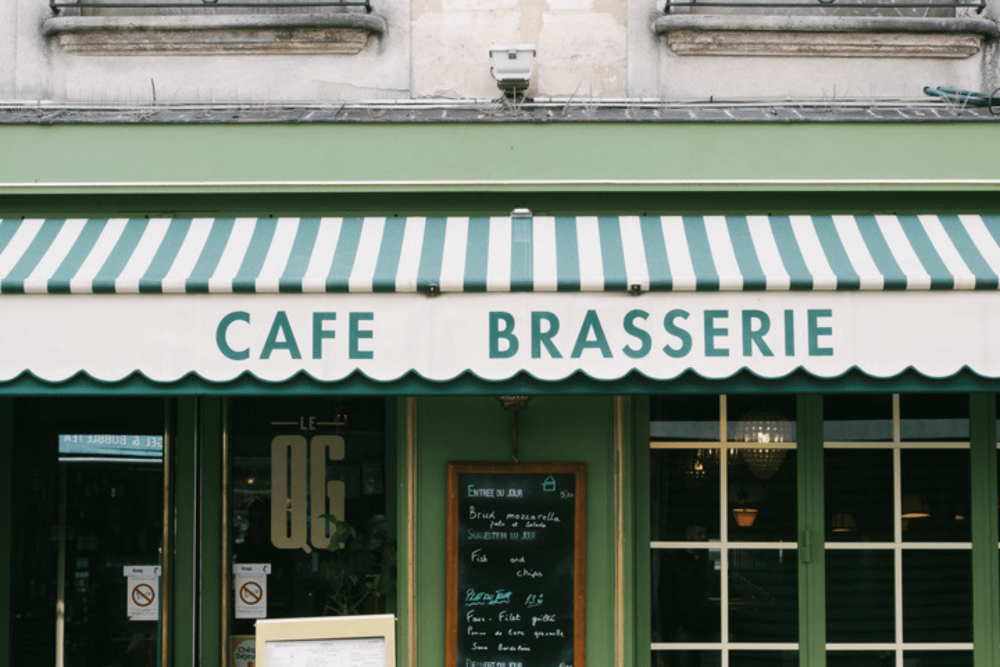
293, 487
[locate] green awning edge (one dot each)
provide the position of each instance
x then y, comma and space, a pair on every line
854, 381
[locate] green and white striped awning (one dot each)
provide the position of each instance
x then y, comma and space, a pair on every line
479, 254
551, 298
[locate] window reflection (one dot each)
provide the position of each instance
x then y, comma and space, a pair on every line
861, 659
936, 500
684, 418
857, 417
763, 595
860, 594
685, 493
937, 596
762, 508
763, 659
937, 658
688, 595
686, 658
934, 417
858, 490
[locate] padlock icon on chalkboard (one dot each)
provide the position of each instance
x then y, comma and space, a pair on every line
549, 484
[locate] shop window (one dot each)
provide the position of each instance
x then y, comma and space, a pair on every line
309, 531
897, 567
897, 525
724, 563
87, 529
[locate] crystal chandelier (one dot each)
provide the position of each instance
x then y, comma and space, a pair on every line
763, 427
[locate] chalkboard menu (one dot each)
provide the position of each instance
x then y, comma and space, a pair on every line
516, 564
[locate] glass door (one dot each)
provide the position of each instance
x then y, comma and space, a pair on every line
88, 532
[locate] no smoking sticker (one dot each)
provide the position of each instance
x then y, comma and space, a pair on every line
251, 595
143, 595
142, 592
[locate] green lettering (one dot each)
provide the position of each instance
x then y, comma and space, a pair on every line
789, 333
356, 333
591, 325
319, 333
502, 329
281, 327
712, 332
541, 338
645, 341
671, 328
755, 335
223, 328
815, 331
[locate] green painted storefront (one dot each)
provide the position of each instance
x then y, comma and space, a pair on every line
483, 169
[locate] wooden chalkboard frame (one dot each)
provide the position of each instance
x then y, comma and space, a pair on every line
579, 470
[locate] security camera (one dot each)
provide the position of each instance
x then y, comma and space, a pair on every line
511, 66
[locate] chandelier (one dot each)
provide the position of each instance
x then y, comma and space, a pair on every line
763, 427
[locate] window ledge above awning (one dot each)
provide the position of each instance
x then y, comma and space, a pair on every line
215, 34
734, 34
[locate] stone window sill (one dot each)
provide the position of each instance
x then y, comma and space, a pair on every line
828, 36
215, 34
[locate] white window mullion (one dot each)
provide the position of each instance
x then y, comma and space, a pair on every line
724, 541
897, 504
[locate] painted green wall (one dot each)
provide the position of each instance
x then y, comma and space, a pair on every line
479, 429
498, 157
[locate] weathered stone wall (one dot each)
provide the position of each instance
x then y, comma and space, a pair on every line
439, 49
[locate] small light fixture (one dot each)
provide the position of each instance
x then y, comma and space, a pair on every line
843, 523
698, 463
915, 507
511, 67
744, 516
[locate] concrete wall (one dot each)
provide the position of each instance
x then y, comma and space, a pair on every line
438, 49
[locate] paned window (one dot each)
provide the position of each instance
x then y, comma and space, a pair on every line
896, 582
897, 534
724, 565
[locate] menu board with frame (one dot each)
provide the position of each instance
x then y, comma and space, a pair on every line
327, 641
516, 565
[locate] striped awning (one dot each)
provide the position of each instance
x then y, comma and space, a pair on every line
477, 254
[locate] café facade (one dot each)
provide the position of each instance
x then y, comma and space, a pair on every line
243, 380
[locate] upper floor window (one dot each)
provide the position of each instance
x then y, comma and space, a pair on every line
819, 8
213, 27
826, 28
